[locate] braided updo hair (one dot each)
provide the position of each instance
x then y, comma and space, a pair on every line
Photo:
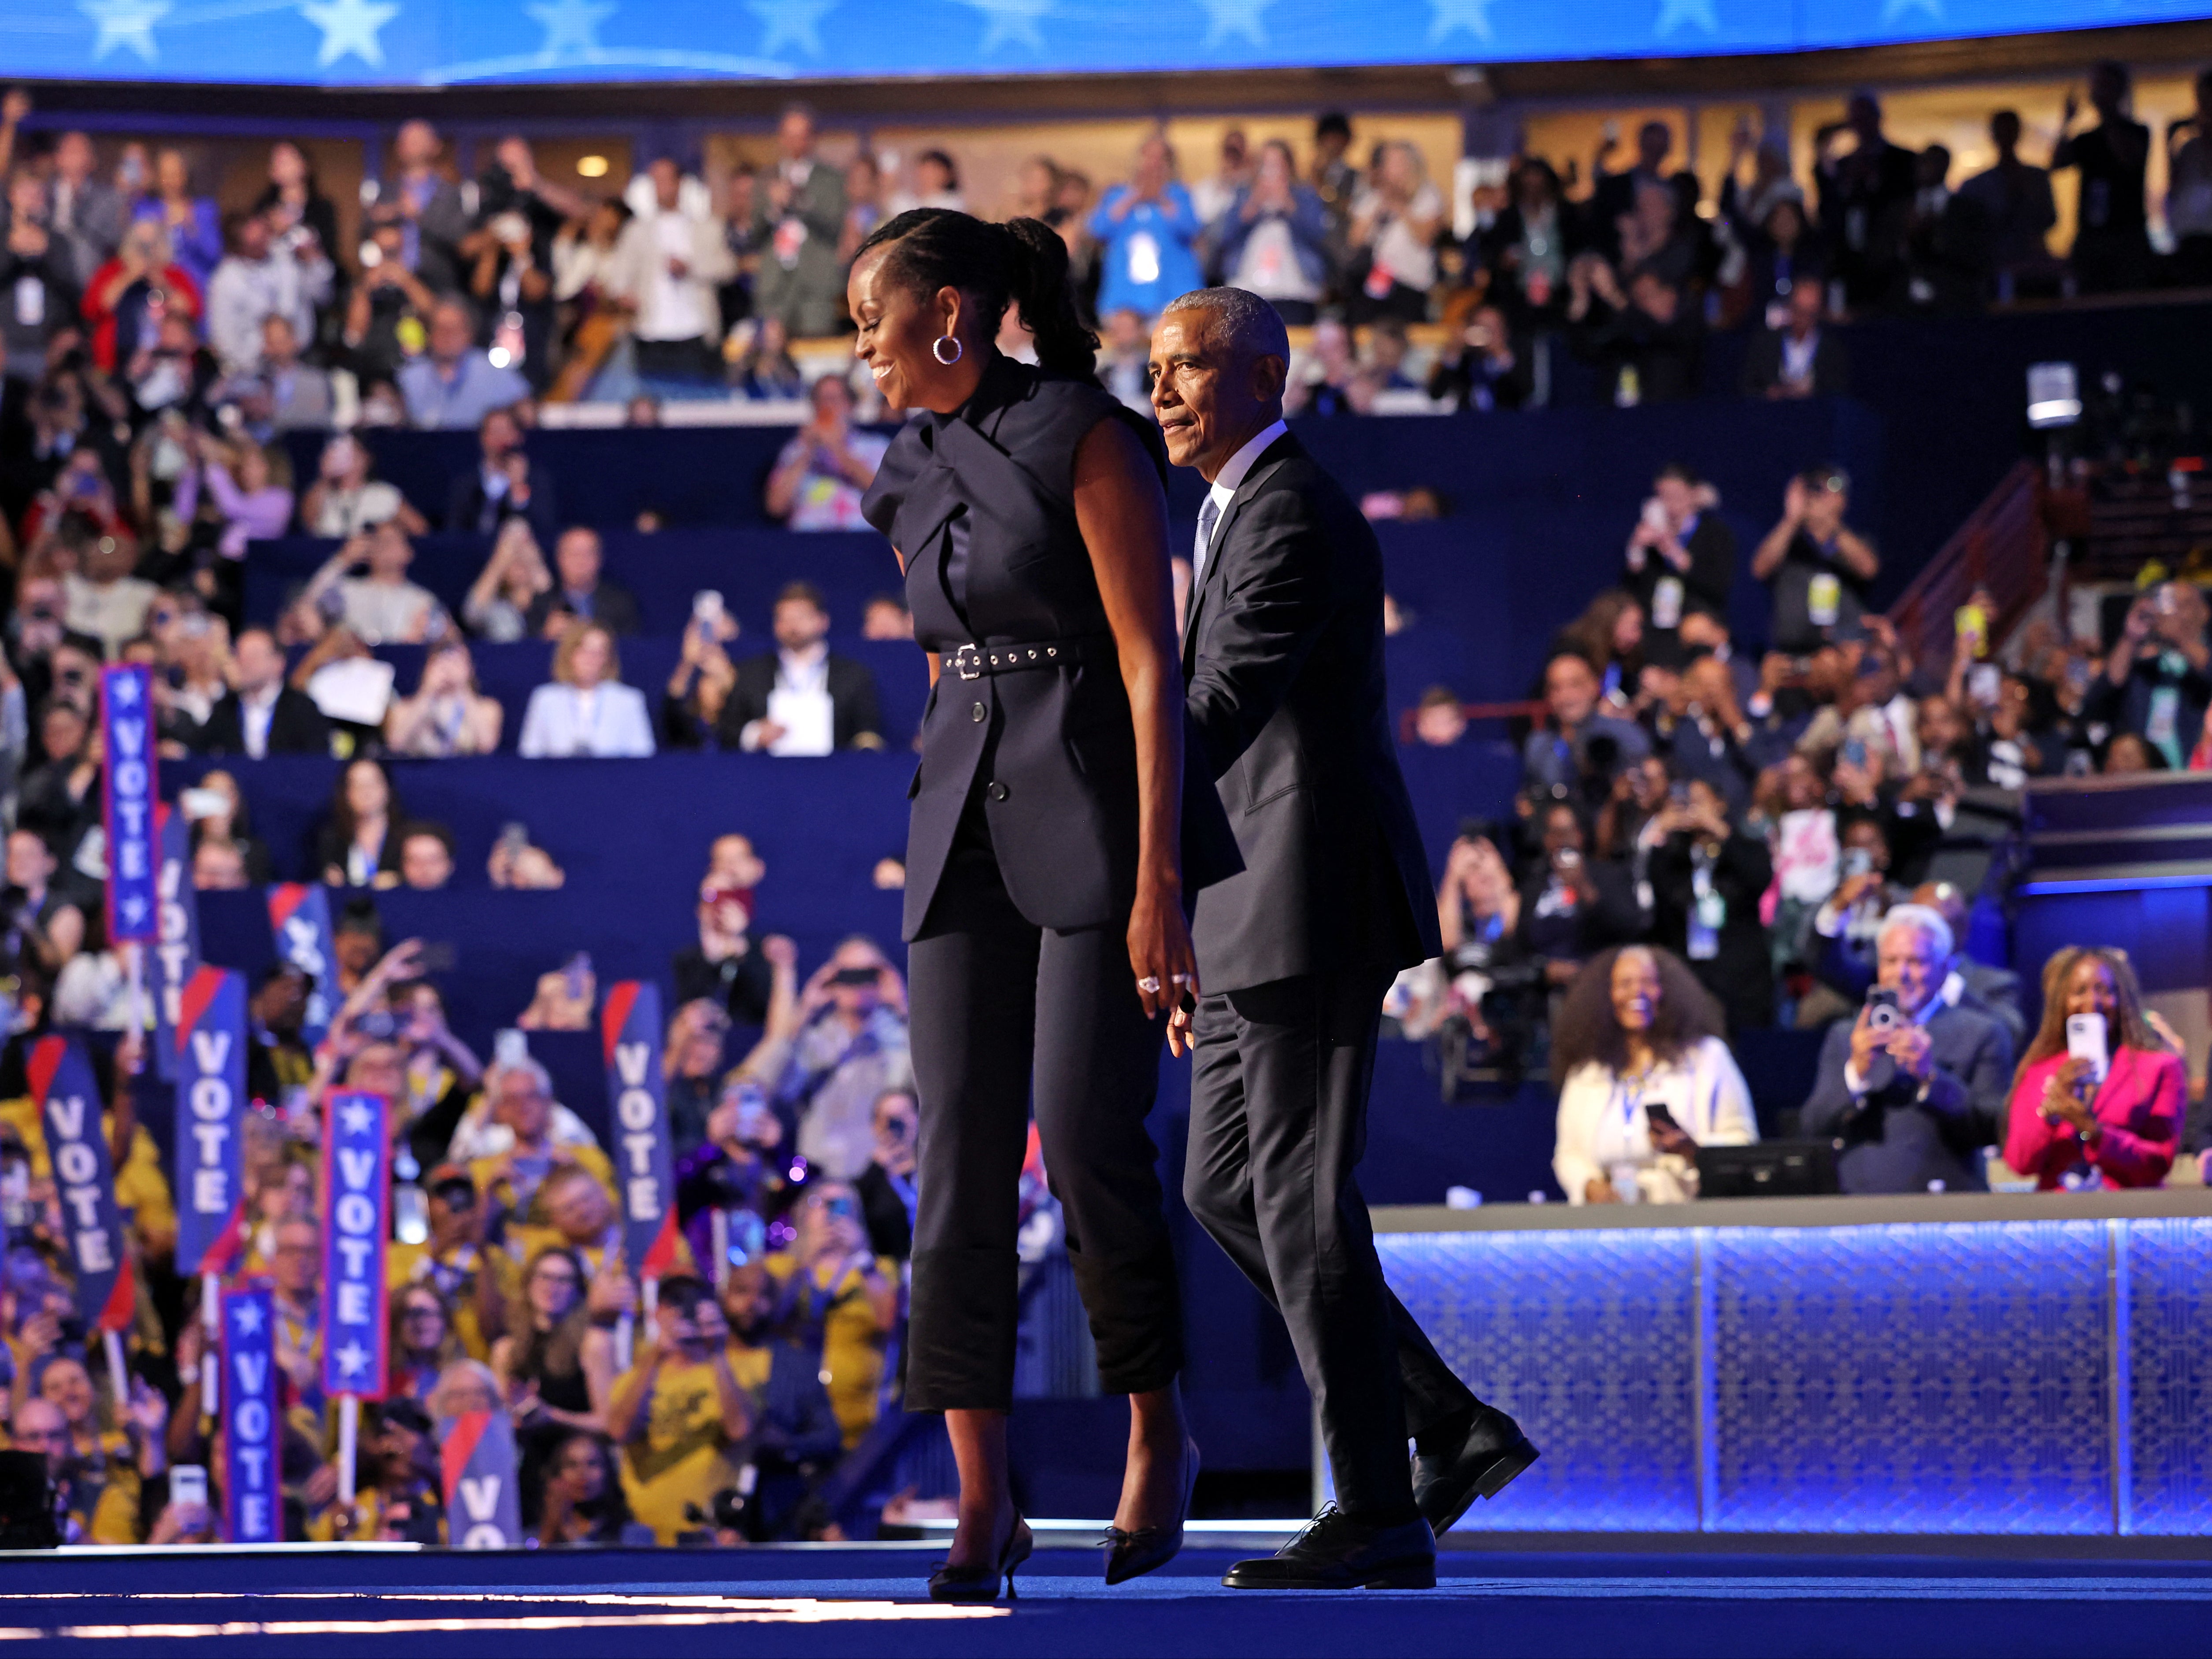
1022, 262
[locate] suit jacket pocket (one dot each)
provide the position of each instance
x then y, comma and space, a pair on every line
1274, 766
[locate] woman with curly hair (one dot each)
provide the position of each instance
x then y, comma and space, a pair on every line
1645, 1081
2071, 1127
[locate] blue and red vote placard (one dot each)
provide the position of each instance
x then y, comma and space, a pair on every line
127, 801
356, 1220
176, 953
84, 1180
484, 1501
253, 1493
210, 1073
300, 921
644, 1167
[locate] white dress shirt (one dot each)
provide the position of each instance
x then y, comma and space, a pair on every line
1225, 486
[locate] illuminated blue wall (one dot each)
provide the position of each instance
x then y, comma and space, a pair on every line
438, 42
2023, 1377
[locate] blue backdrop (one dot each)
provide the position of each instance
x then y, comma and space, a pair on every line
441, 42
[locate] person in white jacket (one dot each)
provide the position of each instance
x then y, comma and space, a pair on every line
1645, 1081
666, 265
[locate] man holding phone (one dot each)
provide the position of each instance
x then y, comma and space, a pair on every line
1914, 1087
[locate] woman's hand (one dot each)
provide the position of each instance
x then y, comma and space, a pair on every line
1161, 958
1598, 1190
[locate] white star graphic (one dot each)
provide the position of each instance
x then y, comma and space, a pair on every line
126, 23
1227, 17
1893, 10
352, 1357
123, 688
357, 1117
572, 27
133, 907
246, 1318
795, 23
1674, 14
1011, 22
349, 26
1447, 17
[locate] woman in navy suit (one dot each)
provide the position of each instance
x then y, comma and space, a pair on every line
1045, 877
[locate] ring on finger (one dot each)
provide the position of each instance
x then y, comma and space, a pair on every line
1182, 979
1149, 985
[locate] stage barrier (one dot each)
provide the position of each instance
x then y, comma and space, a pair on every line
1967, 1364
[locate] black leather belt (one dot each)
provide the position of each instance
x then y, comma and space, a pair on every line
972, 662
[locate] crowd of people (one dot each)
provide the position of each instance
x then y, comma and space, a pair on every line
714, 1415
465, 294
1708, 840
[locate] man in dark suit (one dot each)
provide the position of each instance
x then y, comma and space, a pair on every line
1283, 649
781, 696
1913, 1103
504, 483
580, 593
262, 715
1800, 359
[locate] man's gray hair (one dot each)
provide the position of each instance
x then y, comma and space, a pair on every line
1253, 325
1923, 919
497, 1070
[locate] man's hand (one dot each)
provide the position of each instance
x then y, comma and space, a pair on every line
1794, 501
1914, 1051
1866, 1043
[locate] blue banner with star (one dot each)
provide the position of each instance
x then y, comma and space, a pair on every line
127, 800
253, 1497
448, 42
356, 1220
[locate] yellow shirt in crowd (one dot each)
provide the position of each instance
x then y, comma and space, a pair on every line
681, 1459
140, 1189
852, 1341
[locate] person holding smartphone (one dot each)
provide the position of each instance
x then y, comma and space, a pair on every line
1914, 1086
1645, 1081
2099, 1098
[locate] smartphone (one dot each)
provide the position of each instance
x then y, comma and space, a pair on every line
188, 1484
706, 608
1857, 862
576, 975
1678, 796
1883, 1012
1855, 752
436, 958
510, 1046
1984, 684
2087, 1039
1656, 1115
202, 803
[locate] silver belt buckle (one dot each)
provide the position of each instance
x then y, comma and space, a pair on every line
968, 661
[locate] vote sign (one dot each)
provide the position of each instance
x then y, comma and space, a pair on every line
210, 1060
644, 1166
176, 954
356, 1220
300, 920
483, 1502
252, 1498
84, 1176
127, 800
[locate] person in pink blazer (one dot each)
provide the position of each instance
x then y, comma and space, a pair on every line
2121, 1133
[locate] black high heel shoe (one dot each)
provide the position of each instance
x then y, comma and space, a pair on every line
1133, 1554
951, 1583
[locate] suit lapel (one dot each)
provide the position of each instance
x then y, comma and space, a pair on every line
1284, 448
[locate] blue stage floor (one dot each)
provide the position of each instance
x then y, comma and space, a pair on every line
840, 1600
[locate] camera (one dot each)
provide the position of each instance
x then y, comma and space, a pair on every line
1883, 1012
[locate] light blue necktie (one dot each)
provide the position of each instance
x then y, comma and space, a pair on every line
1209, 516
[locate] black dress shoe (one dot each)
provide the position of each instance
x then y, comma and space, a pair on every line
980, 1584
1133, 1554
1336, 1552
1446, 1484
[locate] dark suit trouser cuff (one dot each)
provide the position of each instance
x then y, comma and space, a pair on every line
1135, 1309
960, 1354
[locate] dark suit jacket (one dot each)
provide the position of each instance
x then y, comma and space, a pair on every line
853, 714
295, 727
465, 503
611, 604
1762, 364
1282, 651
1896, 1142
